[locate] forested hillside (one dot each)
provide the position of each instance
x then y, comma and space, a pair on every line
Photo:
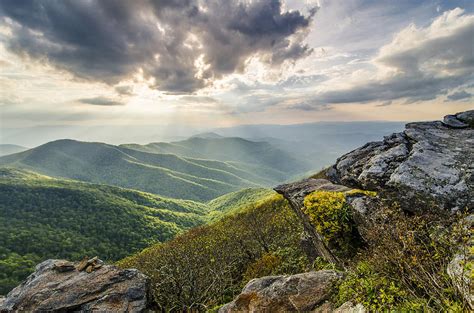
208, 265
164, 174
42, 217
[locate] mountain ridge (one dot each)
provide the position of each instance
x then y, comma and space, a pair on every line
160, 173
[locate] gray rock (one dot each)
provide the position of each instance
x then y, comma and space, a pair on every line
428, 162
454, 122
302, 292
56, 286
365, 213
466, 117
349, 307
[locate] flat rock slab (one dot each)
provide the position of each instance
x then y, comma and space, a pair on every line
431, 160
295, 293
57, 286
297, 191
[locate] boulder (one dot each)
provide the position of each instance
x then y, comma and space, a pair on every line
454, 122
429, 162
302, 292
59, 286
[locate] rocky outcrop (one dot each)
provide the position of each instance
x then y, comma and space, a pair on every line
312, 241
62, 286
429, 161
302, 293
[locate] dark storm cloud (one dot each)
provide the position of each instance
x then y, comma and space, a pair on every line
110, 40
100, 101
459, 95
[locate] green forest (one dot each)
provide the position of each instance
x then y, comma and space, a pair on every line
43, 217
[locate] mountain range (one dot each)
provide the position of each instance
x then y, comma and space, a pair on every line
196, 169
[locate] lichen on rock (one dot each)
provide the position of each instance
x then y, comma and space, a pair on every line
429, 161
294, 293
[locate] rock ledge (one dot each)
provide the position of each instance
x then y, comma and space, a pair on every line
58, 286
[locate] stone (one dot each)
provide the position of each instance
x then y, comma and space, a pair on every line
365, 213
349, 307
52, 289
466, 117
64, 266
428, 163
454, 122
301, 292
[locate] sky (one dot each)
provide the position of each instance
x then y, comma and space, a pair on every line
189, 63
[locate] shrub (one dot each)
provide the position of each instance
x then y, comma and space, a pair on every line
404, 267
330, 214
375, 291
208, 265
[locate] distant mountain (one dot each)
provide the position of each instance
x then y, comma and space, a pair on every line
318, 144
160, 172
42, 217
209, 135
6, 149
232, 149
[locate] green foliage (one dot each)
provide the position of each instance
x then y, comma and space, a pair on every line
404, 268
42, 218
237, 201
376, 292
208, 265
329, 213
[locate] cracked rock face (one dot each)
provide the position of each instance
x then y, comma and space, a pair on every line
434, 160
57, 286
296, 293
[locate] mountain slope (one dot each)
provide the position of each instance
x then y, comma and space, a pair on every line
42, 217
164, 174
237, 201
6, 149
233, 149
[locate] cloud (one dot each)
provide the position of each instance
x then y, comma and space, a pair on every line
179, 46
124, 90
459, 95
100, 101
418, 65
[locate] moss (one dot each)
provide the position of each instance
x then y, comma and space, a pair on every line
330, 214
